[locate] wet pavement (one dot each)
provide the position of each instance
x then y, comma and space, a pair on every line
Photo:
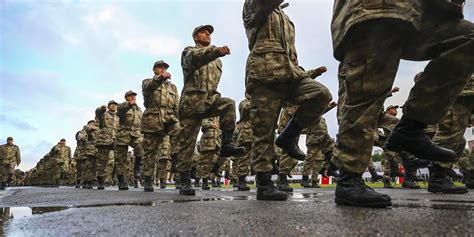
65, 211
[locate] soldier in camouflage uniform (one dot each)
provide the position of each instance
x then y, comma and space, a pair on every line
128, 134
450, 134
79, 156
61, 155
163, 161
380, 34
273, 76
287, 164
159, 119
209, 149
200, 99
108, 124
244, 139
90, 154
110, 169
9, 159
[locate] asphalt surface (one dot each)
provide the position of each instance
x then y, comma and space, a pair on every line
67, 211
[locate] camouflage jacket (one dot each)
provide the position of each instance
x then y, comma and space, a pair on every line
61, 154
108, 124
161, 104
245, 131
10, 154
271, 36
202, 71
90, 132
129, 124
346, 14
210, 138
285, 116
469, 89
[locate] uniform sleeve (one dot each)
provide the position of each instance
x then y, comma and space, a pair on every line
194, 58
244, 110
256, 11
18, 156
123, 108
150, 85
313, 73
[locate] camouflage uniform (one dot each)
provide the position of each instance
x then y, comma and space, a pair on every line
450, 133
202, 70
159, 119
287, 164
110, 168
108, 124
244, 139
61, 155
128, 134
209, 146
90, 154
9, 158
163, 159
380, 34
273, 76
80, 160
318, 143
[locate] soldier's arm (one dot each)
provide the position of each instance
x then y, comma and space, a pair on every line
18, 156
243, 110
150, 85
123, 108
176, 101
256, 11
194, 58
313, 73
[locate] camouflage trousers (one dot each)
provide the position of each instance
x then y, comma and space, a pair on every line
243, 163
313, 163
205, 163
370, 64
110, 171
121, 161
162, 169
190, 125
103, 155
152, 143
466, 162
80, 166
287, 164
389, 157
312, 98
6, 171
450, 133
89, 172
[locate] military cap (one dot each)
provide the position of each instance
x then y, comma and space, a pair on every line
112, 102
393, 107
91, 121
9, 138
130, 93
63, 140
201, 27
161, 62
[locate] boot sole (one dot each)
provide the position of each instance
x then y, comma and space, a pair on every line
272, 199
187, 193
243, 189
277, 143
448, 192
399, 149
149, 190
340, 201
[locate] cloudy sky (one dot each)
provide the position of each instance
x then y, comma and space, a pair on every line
59, 60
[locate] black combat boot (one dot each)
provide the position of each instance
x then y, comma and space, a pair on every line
2, 186
135, 183
469, 179
283, 184
332, 169
288, 140
305, 181
205, 184
375, 177
235, 183
387, 183
213, 183
162, 183
137, 167
409, 136
411, 162
243, 184
186, 188
266, 190
148, 184
410, 183
227, 148
78, 183
197, 182
440, 183
84, 184
90, 185
122, 185
351, 190
315, 183
100, 183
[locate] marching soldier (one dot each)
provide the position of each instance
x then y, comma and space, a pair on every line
10, 158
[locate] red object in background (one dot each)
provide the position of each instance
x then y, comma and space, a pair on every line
401, 179
226, 182
325, 181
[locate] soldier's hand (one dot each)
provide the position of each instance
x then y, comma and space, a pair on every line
103, 108
322, 69
223, 51
165, 75
395, 89
332, 104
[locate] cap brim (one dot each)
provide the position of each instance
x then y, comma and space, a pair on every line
162, 64
209, 28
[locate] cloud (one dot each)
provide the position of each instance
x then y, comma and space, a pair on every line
7, 119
